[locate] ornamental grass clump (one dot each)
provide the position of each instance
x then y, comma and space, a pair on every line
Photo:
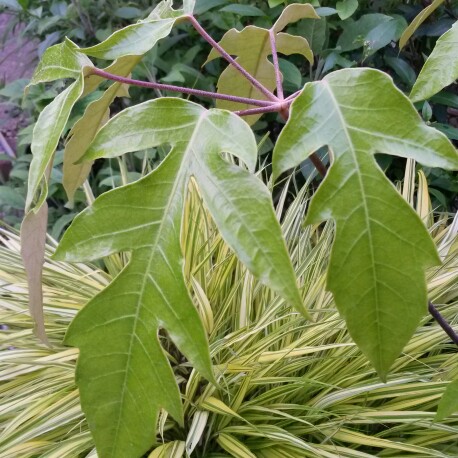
286, 386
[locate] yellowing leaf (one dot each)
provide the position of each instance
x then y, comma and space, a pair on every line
441, 67
33, 239
293, 13
419, 19
381, 247
83, 132
252, 46
117, 331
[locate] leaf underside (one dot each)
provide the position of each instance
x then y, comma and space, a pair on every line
441, 67
381, 247
66, 60
252, 47
123, 375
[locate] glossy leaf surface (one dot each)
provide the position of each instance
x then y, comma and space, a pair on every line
117, 331
381, 247
441, 67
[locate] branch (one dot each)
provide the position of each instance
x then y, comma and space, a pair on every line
257, 84
442, 323
273, 46
183, 90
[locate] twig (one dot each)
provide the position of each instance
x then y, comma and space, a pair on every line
273, 46
443, 323
257, 84
183, 90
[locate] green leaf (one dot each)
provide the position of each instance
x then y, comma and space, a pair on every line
383, 34
133, 40
405, 72
83, 132
139, 38
205, 5
117, 331
252, 48
346, 8
243, 10
9, 196
46, 135
448, 404
419, 19
441, 67
315, 32
355, 32
60, 61
381, 247
128, 12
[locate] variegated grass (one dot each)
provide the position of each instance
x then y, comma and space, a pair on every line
287, 387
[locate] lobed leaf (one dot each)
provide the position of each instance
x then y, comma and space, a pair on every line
117, 331
252, 48
381, 247
440, 69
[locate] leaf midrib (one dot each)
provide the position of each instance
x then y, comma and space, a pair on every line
366, 212
155, 244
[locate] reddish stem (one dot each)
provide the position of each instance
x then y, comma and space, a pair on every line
257, 84
183, 90
273, 46
252, 111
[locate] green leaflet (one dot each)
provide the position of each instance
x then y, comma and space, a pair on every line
252, 48
60, 61
117, 331
381, 247
448, 404
46, 136
346, 8
441, 67
66, 60
139, 38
